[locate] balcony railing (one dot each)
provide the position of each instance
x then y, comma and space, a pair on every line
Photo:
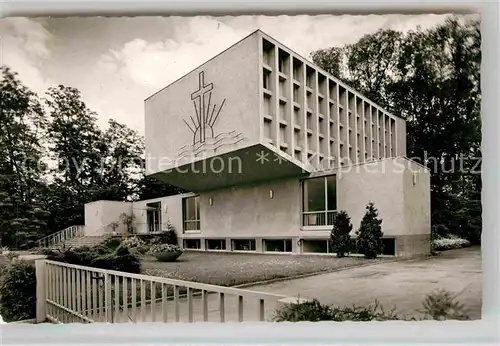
191, 225
318, 218
147, 228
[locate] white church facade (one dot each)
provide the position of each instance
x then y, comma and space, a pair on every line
271, 148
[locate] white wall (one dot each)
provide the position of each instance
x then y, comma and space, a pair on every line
235, 78
171, 210
111, 212
417, 199
400, 137
100, 214
93, 213
379, 182
249, 210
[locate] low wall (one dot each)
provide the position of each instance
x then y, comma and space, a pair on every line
413, 244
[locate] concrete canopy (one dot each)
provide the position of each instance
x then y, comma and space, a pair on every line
249, 165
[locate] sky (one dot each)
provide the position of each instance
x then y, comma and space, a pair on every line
116, 63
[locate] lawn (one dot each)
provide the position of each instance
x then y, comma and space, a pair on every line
231, 269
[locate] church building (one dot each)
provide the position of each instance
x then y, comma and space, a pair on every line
271, 147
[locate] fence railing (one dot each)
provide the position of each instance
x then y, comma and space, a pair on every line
61, 236
69, 293
147, 228
188, 225
318, 218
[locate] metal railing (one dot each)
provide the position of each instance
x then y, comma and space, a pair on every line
318, 218
69, 293
148, 228
59, 237
191, 225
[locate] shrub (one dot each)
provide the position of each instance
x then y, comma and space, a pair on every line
442, 305
160, 248
120, 259
373, 312
18, 280
128, 222
449, 243
81, 255
168, 236
114, 226
368, 241
11, 255
311, 311
314, 311
48, 252
439, 231
18, 292
132, 242
136, 245
340, 238
112, 243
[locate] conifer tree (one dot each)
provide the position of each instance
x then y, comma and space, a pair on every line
340, 238
370, 231
431, 78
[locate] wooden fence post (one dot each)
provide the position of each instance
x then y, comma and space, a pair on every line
41, 291
108, 304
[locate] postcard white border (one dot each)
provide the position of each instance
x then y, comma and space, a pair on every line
474, 332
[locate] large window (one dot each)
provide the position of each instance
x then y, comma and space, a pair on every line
278, 245
215, 244
315, 246
319, 201
243, 244
193, 244
191, 213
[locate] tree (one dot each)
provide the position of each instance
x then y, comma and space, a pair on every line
93, 164
332, 60
340, 238
154, 188
22, 215
86, 162
121, 169
125, 173
430, 78
77, 147
370, 231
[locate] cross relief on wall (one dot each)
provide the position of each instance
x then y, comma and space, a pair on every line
207, 113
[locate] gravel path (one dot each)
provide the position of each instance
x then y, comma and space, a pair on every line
230, 269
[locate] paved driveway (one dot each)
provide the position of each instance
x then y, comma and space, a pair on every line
401, 284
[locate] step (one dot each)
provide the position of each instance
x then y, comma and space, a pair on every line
83, 241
